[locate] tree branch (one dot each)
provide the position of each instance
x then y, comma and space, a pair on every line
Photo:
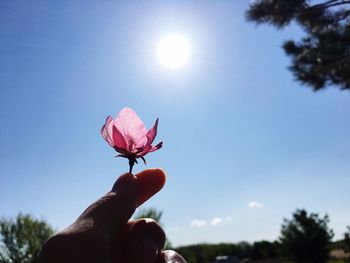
336, 4
326, 5
329, 4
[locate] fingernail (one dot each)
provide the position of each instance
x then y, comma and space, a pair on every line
123, 183
170, 256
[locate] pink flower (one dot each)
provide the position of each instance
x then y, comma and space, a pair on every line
128, 135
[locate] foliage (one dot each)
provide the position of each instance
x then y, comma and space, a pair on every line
346, 242
206, 253
22, 238
306, 237
149, 213
322, 57
264, 250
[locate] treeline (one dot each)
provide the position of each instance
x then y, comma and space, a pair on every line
257, 251
206, 253
305, 238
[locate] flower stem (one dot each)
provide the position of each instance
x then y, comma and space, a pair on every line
131, 164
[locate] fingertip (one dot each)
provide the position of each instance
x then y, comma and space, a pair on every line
153, 173
146, 228
145, 240
150, 182
123, 182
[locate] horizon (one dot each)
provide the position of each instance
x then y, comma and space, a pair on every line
245, 145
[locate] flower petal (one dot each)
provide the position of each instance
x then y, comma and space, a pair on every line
155, 148
131, 127
118, 139
151, 134
128, 135
104, 131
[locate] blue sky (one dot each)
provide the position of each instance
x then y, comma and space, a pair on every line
237, 129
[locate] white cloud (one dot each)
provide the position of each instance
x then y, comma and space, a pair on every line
216, 221
255, 204
198, 223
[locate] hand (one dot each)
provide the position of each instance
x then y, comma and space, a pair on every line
104, 234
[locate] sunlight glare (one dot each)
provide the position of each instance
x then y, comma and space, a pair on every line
173, 51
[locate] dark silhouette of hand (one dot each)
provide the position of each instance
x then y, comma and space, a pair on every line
104, 234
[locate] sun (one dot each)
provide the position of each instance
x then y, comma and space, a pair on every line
173, 51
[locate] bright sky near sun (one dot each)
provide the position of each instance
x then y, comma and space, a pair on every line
244, 144
173, 51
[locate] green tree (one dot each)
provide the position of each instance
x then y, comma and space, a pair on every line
244, 249
263, 250
149, 213
22, 238
322, 57
346, 243
206, 253
155, 215
306, 237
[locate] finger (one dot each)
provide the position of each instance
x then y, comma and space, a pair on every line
170, 256
111, 212
144, 241
150, 182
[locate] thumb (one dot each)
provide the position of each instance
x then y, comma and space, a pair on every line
111, 212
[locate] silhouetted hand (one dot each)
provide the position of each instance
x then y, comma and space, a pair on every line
104, 233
